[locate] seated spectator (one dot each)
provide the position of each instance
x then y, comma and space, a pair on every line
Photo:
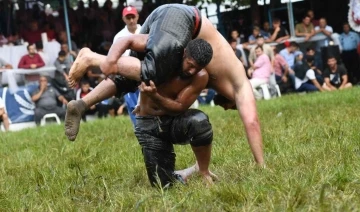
31, 60
50, 32
266, 30
117, 107
260, 73
323, 29
95, 76
267, 49
305, 28
289, 54
278, 32
206, 97
4, 65
81, 93
281, 68
235, 36
236, 50
60, 81
305, 80
3, 116
43, 55
335, 76
255, 34
34, 34
64, 47
316, 63
45, 99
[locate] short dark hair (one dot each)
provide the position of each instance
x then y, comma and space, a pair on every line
39, 45
259, 36
28, 47
311, 48
220, 100
199, 50
62, 53
306, 16
84, 82
294, 44
232, 41
346, 23
331, 57
259, 47
276, 20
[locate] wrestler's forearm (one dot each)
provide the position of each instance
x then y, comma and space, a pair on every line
245, 102
169, 106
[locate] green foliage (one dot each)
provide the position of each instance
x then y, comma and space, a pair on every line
311, 147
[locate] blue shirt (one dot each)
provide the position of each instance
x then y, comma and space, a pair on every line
349, 41
289, 57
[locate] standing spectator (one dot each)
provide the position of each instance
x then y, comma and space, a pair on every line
305, 28
311, 14
60, 81
43, 55
64, 47
260, 73
64, 39
34, 34
335, 76
350, 41
130, 17
236, 50
31, 60
278, 33
3, 116
266, 30
45, 99
323, 29
266, 48
235, 36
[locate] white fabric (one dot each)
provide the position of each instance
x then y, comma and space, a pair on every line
1, 103
125, 32
255, 83
310, 75
13, 54
327, 28
45, 58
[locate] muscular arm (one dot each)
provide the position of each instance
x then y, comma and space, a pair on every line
133, 42
245, 102
185, 98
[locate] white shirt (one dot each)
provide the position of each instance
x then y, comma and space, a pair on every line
45, 58
310, 75
327, 28
125, 32
1, 103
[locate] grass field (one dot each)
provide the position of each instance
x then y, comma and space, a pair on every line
311, 145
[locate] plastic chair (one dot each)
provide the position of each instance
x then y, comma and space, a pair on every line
50, 116
266, 92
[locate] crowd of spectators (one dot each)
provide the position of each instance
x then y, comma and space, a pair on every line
269, 56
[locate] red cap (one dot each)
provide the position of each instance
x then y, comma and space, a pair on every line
129, 11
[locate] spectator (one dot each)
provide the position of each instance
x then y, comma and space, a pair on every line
117, 106
323, 29
45, 99
81, 93
235, 36
3, 116
64, 47
260, 73
255, 34
3, 40
64, 40
350, 41
311, 14
305, 80
43, 55
305, 29
60, 81
32, 60
4, 65
34, 34
278, 33
289, 54
335, 76
266, 30
237, 51
316, 65
266, 49
50, 32
207, 95
281, 68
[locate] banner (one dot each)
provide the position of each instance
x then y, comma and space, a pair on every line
19, 105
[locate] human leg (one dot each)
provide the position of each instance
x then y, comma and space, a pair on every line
255, 83
5, 119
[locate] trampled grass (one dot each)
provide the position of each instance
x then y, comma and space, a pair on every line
311, 151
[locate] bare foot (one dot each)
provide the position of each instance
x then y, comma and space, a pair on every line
75, 109
80, 66
186, 173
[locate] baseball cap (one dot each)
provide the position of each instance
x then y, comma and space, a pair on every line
129, 11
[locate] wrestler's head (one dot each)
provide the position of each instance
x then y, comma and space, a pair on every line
224, 102
197, 54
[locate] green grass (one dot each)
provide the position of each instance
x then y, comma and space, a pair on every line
311, 150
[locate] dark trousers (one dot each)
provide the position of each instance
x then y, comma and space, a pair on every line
351, 62
40, 112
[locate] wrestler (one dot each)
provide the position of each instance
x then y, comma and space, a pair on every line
169, 28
